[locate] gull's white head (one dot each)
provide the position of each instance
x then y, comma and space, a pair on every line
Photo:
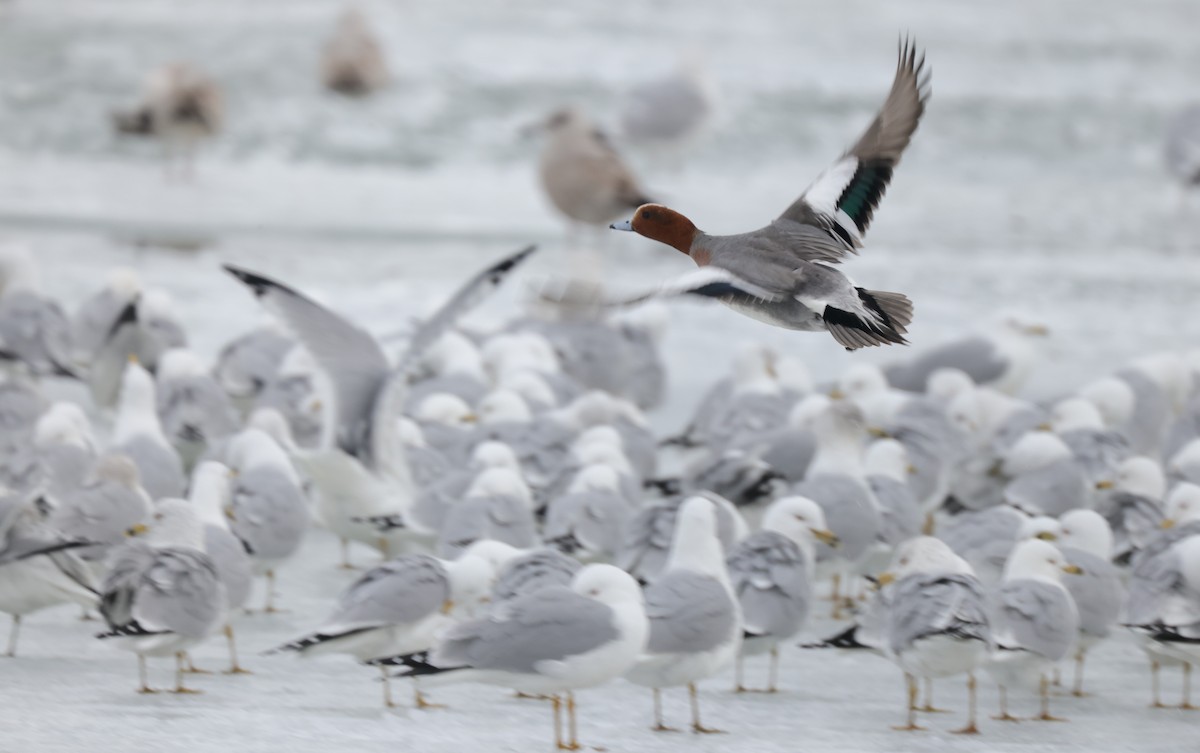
801, 520
492, 454
1038, 560
174, 524
64, 423
504, 406
410, 432
1040, 527
253, 448
1035, 450
471, 578
596, 478
1186, 459
1114, 399
444, 409
805, 412
1182, 505
179, 363
500, 482
608, 585
1087, 531
863, 380
944, 385
602, 434
137, 409
887, 457
1139, 475
925, 555
1074, 414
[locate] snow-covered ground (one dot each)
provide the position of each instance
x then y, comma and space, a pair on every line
1034, 182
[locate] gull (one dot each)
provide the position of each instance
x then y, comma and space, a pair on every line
695, 618
455, 366
1043, 477
498, 506
784, 274
1035, 622
159, 328
37, 567
34, 329
672, 110
936, 622
108, 502
352, 61
582, 174
1001, 357
519, 573
1163, 609
398, 608
1132, 504
267, 508
138, 433
1086, 541
93, 321
1078, 422
589, 520
210, 498
651, 533
163, 596
772, 574
552, 641
247, 364
194, 411
293, 393
66, 447
181, 106
359, 467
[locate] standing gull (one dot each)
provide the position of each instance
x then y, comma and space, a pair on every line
163, 596
1085, 540
936, 619
695, 619
553, 641
772, 574
1035, 622
139, 434
783, 274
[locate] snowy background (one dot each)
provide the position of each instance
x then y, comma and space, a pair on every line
1035, 182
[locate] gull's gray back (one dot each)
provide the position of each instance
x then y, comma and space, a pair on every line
1035, 616
770, 576
689, 612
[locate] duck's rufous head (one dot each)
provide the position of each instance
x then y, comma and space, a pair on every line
661, 224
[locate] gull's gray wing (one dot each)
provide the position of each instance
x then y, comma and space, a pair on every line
548, 625
428, 465
389, 402
737, 476
688, 612
771, 579
149, 591
595, 519
159, 467
647, 539
842, 200
900, 515
400, 591
928, 605
1135, 520
101, 512
195, 410
349, 355
1053, 490
1097, 591
1098, 452
978, 357
788, 451
532, 572
270, 513
1035, 616
233, 564
35, 330
247, 364
985, 537
849, 513
498, 517
1152, 410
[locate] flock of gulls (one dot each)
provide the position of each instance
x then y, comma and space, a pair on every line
532, 531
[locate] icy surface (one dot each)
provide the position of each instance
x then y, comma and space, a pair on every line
1035, 182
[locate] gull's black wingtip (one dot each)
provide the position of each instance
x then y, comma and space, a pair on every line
256, 282
507, 263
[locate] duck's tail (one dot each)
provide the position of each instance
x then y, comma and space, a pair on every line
890, 315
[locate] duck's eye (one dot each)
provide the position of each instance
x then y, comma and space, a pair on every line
649, 214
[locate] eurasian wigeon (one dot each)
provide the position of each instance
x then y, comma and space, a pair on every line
782, 274
582, 174
352, 62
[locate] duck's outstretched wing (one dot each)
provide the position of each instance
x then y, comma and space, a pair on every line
842, 200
